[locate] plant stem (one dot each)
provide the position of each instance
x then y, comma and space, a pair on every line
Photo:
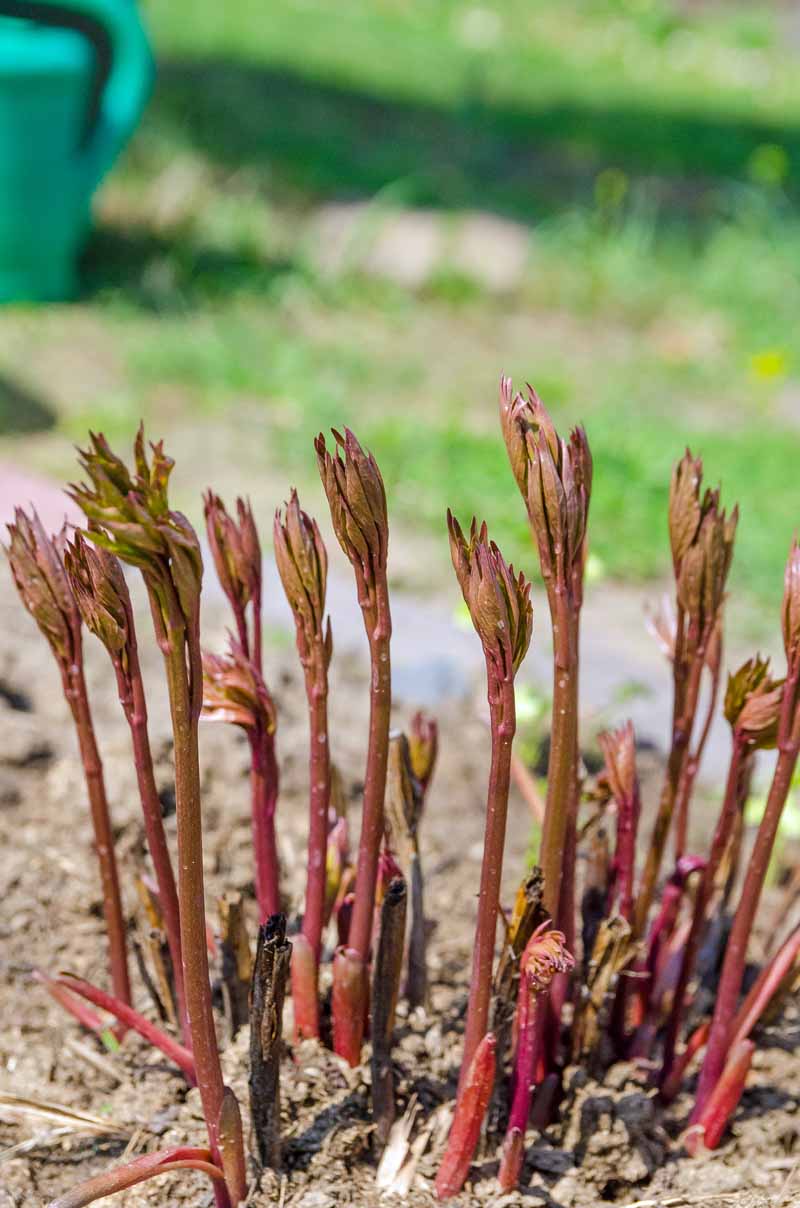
360, 931
264, 799
730, 982
85, 1016
131, 1018
466, 1127
182, 1157
692, 766
513, 1147
687, 687
707, 1130
77, 697
697, 1041
503, 725
705, 890
185, 697
557, 855
374, 789
304, 988
769, 982
132, 699
319, 800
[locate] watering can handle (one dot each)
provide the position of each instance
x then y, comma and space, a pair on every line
130, 77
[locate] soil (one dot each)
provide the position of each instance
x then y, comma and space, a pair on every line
612, 1144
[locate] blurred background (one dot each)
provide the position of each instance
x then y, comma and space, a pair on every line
362, 213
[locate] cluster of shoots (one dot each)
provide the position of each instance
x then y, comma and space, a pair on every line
616, 941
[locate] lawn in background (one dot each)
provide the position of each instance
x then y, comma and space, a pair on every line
653, 151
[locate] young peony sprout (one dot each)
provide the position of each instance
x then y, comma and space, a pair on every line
545, 955
131, 518
788, 744
37, 565
236, 551
499, 604
302, 562
234, 692
357, 500
102, 595
423, 747
555, 479
701, 540
752, 707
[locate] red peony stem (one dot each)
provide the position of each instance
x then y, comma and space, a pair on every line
350, 1004
85, 1016
730, 982
706, 1131
470, 1111
672, 1084
307, 1012
135, 707
75, 692
131, 1018
305, 998
705, 889
503, 725
182, 1157
264, 779
513, 1147
765, 986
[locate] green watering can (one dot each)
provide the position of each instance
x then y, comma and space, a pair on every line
74, 79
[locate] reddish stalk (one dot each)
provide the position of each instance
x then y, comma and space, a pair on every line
85, 1016
374, 782
557, 854
357, 500
545, 955
131, 1018
102, 595
684, 710
706, 1131
264, 801
499, 604
555, 478
769, 981
697, 1041
619, 753
705, 889
302, 562
236, 551
136, 712
701, 541
37, 565
730, 982
164, 1161
691, 767
466, 1127
138, 525
662, 930
234, 692
75, 692
503, 725
185, 701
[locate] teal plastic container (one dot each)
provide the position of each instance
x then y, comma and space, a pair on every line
74, 79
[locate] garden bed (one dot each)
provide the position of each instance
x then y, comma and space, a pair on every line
613, 1144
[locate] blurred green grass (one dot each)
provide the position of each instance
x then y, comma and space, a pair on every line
651, 148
